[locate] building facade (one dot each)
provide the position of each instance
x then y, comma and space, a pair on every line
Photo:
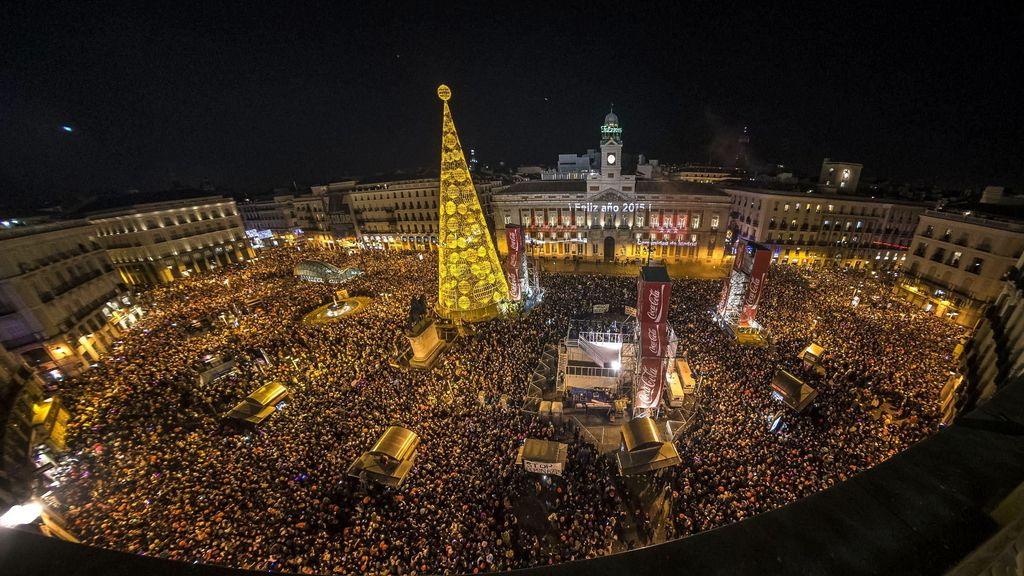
817, 229
703, 174
959, 260
839, 176
396, 214
288, 219
20, 391
161, 241
611, 216
310, 214
994, 356
275, 215
58, 294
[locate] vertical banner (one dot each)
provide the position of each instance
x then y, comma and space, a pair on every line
743, 255
653, 292
515, 240
762, 258
650, 381
723, 300
654, 340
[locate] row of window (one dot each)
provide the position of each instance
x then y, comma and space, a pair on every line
899, 215
571, 217
419, 228
152, 222
984, 244
188, 249
954, 258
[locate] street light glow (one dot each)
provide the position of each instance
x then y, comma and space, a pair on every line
21, 514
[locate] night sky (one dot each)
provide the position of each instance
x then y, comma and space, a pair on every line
254, 98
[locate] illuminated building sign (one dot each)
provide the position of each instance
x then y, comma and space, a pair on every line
611, 130
612, 206
683, 243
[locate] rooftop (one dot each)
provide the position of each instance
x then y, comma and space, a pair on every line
822, 195
983, 215
109, 205
31, 230
641, 187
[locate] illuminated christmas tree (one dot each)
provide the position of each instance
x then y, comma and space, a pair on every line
470, 281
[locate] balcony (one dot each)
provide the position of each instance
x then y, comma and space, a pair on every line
76, 282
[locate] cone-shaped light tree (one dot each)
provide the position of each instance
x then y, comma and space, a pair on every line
470, 280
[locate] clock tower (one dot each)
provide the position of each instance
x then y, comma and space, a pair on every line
611, 146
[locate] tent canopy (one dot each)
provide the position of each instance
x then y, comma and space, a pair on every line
812, 353
269, 393
544, 451
391, 458
660, 456
792, 391
397, 443
640, 433
260, 404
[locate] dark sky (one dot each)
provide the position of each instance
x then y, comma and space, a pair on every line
255, 97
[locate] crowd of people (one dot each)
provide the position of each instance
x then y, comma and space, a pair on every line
155, 469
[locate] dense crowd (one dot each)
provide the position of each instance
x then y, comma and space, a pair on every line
155, 469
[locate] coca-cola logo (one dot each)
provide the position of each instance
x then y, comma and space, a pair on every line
513, 241
648, 376
753, 292
654, 302
654, 340
648, 385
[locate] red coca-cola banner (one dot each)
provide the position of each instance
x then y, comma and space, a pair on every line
758, 278
652, 301
723, 300
654, 340
515, 239
649, 383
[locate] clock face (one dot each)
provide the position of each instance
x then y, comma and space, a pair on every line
611, 158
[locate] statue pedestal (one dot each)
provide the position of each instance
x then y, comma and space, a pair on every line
426, 345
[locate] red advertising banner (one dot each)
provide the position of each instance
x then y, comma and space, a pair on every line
758, 278
654, 340
515, 240
741, 256
653, 292
649, 384
723, 300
